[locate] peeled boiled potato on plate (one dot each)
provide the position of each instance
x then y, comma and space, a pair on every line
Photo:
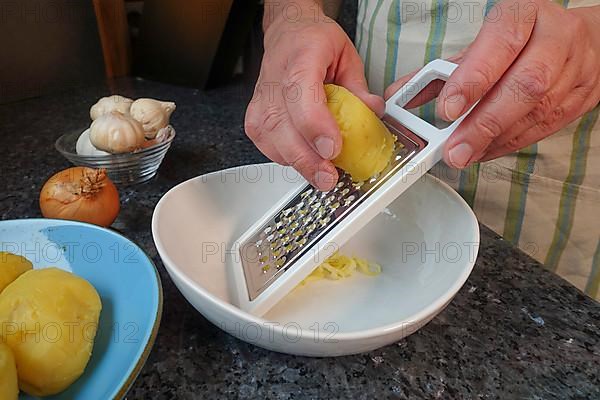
11, 266
49, 318
367, 145
9, 387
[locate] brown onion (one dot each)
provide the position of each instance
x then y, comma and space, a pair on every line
80, 194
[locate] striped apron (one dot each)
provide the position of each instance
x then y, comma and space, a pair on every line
545, 199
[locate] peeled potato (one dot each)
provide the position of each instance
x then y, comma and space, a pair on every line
49, 317
9, 388
367, 145
11, 266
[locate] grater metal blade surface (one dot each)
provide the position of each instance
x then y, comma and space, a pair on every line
294, 229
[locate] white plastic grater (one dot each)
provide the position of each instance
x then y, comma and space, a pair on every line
307, 226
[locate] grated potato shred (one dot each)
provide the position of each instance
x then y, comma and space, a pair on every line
339, 266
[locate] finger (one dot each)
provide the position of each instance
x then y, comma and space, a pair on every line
395, 86
269, 150
298, 154
258, 137
524, 139
268, 125
547, 110
305, 100
500, 41
518, 92
350, 74
576, 104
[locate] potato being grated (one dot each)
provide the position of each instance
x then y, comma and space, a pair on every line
339, 266
367, 144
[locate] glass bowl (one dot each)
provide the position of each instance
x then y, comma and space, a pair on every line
124, 169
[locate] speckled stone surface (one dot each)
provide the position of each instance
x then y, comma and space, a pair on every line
514, 331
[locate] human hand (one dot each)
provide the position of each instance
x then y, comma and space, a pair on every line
287, 118
534, 65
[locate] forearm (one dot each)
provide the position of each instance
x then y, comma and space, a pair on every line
291, 9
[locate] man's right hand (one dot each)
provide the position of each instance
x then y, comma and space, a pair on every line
287, 118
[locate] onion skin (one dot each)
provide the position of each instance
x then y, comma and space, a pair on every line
80, 194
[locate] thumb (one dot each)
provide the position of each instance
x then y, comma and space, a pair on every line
395, 86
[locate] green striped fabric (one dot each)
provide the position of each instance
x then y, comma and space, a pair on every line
549, 211
594, 281
515, 211
467, 183
394, 21
433, 47
362, 9
370, 33
568, 199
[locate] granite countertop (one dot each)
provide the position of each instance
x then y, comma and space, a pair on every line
514, 331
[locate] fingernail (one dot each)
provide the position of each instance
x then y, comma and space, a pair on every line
455, 104
323, 179
324, 147
460, 155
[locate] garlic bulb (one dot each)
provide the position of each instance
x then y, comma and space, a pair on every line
110, 103
162, 135
152, 114
117, 133
84, 146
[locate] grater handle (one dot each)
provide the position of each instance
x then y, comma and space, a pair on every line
394, 107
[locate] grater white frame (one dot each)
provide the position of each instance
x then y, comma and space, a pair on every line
422, 162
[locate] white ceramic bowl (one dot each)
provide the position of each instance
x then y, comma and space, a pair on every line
426, 243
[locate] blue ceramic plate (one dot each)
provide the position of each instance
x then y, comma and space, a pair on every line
127, 282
